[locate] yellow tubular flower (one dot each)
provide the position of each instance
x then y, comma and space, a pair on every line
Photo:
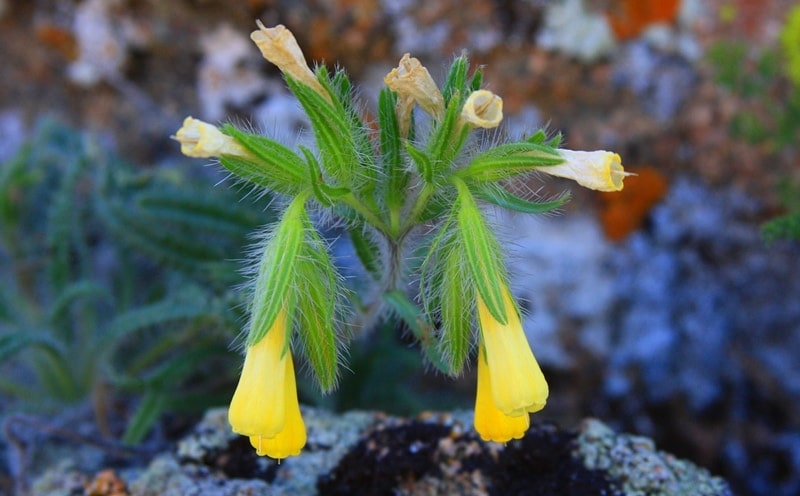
279, 46
413, 84
600, 170
203, 140
517, 383
292, 438
482, 109
258, 407
490, 423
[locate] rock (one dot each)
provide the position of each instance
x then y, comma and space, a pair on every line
372, 453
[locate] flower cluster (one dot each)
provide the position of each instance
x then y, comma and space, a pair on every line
384, 184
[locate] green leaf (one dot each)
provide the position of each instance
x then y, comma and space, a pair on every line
422, 161
397, 176
448, 137
324, 193
275, 167
163, 312
457, 306
501, 197
317, 290
13, 343
482, 254
148, 234
277, 270
509, 160
416, 320
456, 81
335, 137
477, 80
367, 250
150, 408
75, 291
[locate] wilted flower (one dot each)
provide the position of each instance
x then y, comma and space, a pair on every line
413, 84
279, 46
482, 109
203, 140
600, 170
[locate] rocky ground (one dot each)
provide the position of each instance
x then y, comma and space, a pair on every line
662, 313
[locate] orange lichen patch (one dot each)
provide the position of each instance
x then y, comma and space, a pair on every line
106, 483
624, 212
628, 18
58, 38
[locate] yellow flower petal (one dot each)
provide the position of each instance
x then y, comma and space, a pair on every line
517, 382
289, 441
203, 140
599, 170
490, 423
482, 109
279, 46
258, 407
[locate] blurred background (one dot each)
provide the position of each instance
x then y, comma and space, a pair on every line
670, 309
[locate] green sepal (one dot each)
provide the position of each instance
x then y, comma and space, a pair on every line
456, 81
367, 250
275, 167
477, 80
323, 192
317, 288
419, 325
482, 254
422, 160
448, 137
497, 195
509, 160
277, 270
457, 306
397, 176
540, 138
331, 126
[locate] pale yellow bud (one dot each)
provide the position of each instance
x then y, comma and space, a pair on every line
413, 84
279, 46
599, 170
203, 140
482, 109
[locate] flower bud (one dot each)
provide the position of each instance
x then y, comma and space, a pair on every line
203, 140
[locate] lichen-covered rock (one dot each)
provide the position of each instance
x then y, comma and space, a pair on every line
371, 453
638, 469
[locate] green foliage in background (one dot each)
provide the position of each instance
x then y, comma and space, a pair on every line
768, 83
116, 281
786, 226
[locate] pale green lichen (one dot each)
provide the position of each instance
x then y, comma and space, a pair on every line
634, 464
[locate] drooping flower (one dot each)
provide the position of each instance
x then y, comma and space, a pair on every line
482, 109
414, 85
491, 423
292, 438
599, 170
279, 46
203, 140
264, 406
517, 383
